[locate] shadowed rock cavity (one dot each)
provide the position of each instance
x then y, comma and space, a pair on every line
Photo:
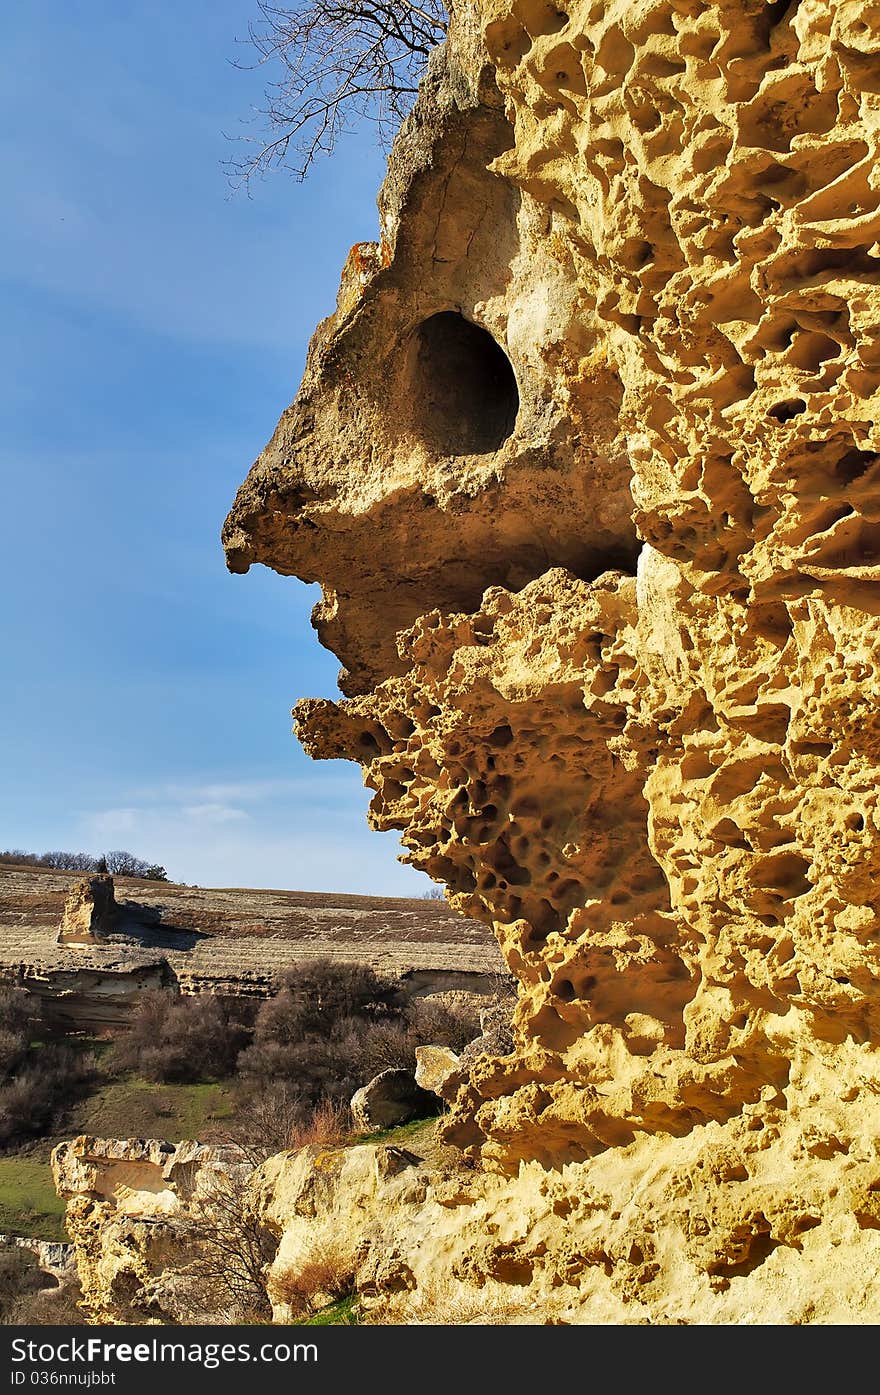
462, 388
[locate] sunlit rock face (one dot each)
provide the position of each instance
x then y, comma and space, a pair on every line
90, 911
586, 463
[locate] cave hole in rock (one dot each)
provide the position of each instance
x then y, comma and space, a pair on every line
786, 411
854, 464
462, 389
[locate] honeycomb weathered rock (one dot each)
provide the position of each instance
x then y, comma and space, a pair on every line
612, 654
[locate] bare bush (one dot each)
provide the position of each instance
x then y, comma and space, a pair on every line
176, 1039
443, 1302
31, 1098
16, 1010
272, 1118
333, 1026
323, 1275
49, 1307
337, 61
19, 1277
31, 1297
35, 1079
227, 1279
438, 1024
305, 1034
326, 1125
266, 1117
317, 993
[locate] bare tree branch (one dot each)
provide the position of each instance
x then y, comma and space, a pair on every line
340, 61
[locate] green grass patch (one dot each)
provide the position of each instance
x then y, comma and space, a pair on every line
135, 1108
416, 1131
342, 1313
29, 1204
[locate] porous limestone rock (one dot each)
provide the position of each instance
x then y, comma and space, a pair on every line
437, 1069
130, 1204
587, 463
90, 911
714, 1227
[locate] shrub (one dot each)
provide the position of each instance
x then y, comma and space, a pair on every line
433, 1023
16, 1010
324, 1275
31, 1297
33, 1079
232, 1252
13, 1049
308, 1034
49, 1307
326, 1125
266, 1116
30, 1099
444, 1302
271, 1119
317, 994
178, 1039
333, 1026
19, 1275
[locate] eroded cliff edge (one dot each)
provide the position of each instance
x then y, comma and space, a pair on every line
586, 463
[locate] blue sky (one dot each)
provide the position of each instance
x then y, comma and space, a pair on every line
154, 329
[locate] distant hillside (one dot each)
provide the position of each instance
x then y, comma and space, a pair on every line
231, 941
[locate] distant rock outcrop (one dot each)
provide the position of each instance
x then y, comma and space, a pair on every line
90, 911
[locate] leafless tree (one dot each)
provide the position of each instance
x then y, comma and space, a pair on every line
67, 861
125, 864
233, 1251
338, 61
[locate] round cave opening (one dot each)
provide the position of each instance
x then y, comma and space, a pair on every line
462, 389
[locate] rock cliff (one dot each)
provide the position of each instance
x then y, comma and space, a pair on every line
586, 462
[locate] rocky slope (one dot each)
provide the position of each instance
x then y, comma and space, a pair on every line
586, 463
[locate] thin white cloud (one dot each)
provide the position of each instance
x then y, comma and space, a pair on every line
323, 783
108, 823
214, 813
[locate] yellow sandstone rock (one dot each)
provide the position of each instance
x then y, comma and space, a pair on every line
90, 911
587, 464
606, 589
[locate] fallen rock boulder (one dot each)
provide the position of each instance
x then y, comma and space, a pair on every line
391, 1097
438, 1070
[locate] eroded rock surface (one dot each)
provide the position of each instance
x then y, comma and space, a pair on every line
90, 911
587, 465
131, 1205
